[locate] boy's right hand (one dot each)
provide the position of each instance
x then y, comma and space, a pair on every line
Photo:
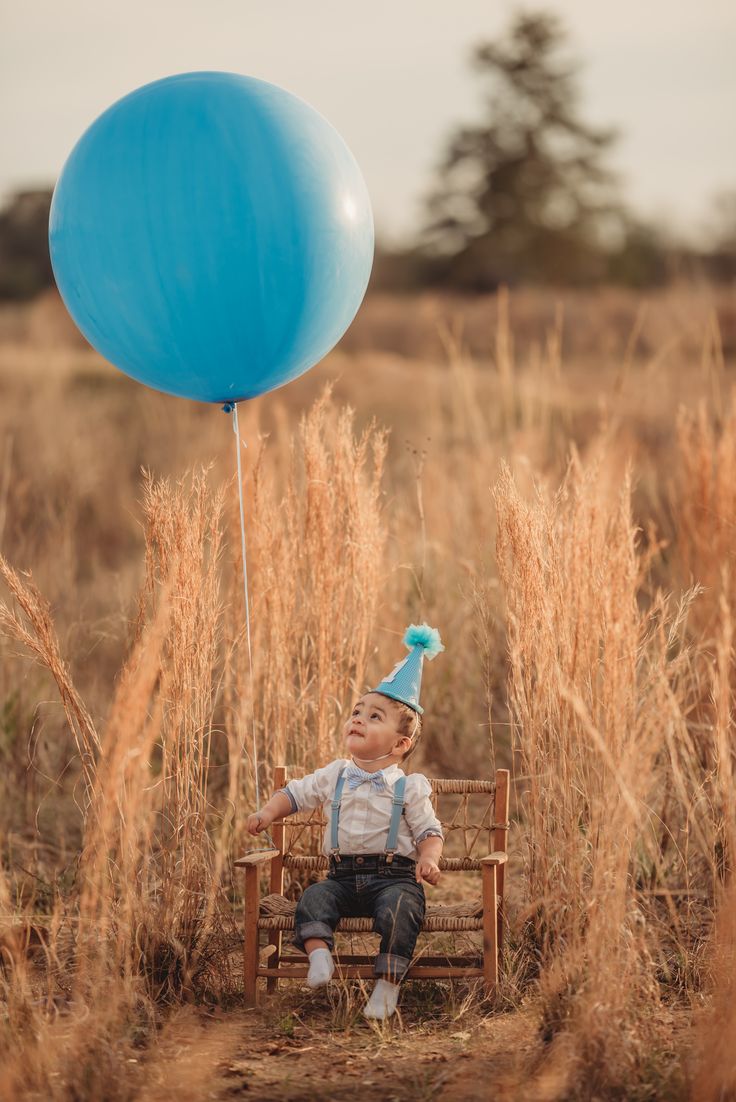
256, 822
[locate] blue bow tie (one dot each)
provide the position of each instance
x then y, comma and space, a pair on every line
356, 776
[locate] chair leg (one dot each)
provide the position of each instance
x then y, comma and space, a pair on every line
250, 941
500, 841
276, 887
272, 983
490, 931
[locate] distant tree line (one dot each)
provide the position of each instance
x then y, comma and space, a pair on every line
25, 266
524, 196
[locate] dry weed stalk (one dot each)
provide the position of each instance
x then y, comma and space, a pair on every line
704, 503
714, 1066
31, 625
704, 506
149, 925
315, 554
593, 684
484, 415
179, 880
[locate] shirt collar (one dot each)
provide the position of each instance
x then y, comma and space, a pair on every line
390, 774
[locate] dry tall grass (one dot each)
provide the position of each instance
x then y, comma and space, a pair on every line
315, 551
141, 925
595, 680
147, 918
574, 551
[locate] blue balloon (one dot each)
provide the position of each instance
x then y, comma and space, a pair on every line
211, 235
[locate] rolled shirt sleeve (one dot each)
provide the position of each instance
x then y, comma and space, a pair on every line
290, 798
418, 811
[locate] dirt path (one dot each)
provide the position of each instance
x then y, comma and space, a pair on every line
306, 1047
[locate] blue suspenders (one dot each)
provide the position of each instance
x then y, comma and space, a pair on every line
335, 817
397, 805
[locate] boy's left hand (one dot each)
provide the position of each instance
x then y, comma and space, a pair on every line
428, 870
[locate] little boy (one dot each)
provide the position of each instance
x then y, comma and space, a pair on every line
383, 837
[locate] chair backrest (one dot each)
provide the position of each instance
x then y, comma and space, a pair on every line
474, 815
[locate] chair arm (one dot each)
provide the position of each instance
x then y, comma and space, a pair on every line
497, 858
256, 858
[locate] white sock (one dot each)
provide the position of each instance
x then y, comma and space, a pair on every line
321, 967
382, 1002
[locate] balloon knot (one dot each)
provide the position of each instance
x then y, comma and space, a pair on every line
228, 407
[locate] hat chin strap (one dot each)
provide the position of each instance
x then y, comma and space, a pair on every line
367, 761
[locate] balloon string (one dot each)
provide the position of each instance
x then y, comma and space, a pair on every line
238, 442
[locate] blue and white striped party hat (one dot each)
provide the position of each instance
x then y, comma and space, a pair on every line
405, 679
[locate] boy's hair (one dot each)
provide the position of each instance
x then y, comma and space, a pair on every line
409, 723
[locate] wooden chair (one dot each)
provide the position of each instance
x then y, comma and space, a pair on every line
465, 839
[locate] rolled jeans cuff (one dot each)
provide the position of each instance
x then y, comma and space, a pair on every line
305, 930
391, 966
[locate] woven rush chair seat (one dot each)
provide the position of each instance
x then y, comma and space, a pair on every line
277, 913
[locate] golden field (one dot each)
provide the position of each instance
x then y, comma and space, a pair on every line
548, 478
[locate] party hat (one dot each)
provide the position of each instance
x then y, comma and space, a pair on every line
404, 681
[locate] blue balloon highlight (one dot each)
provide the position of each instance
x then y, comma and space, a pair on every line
211, 235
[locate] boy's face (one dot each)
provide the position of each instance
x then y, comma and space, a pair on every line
371, 730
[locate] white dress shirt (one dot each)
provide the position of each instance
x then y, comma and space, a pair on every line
365, 815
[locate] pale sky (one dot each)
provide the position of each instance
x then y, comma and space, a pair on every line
391, 75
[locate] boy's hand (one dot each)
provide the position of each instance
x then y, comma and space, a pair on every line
428, 870
257, 822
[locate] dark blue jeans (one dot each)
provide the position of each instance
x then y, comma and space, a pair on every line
366, 887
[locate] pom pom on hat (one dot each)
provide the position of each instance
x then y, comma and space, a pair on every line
423, 635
